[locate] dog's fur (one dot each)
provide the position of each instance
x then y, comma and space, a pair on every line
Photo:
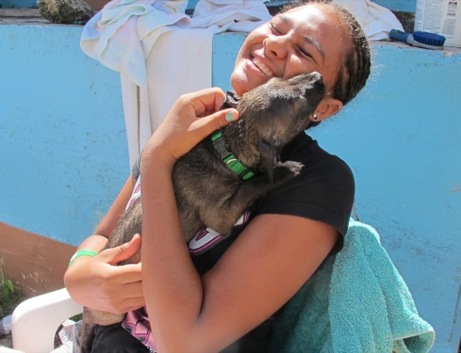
208, 194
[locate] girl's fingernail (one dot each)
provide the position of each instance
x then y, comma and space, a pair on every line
230, 116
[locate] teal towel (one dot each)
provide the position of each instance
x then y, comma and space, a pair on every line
357, 302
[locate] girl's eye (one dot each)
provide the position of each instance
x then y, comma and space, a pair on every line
304, 52
275, 29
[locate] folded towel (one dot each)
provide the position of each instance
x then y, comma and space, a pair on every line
356, 302
121, 35
230, 15
375, 20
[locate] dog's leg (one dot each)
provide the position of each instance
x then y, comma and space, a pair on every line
91, 318
222, 217
86, 331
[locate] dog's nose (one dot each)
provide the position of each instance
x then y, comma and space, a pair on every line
314, 84
316, 77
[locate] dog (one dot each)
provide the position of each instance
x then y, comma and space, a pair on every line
226, 173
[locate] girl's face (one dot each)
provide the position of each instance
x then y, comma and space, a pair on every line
304, 39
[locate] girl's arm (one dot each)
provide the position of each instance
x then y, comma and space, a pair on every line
253, 279
96, 281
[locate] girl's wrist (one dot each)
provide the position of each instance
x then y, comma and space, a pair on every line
82, 253
95, 242
89, 247
153, 159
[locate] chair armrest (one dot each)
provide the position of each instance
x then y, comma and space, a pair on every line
36, 320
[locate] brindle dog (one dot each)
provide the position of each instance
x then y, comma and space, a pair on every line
208, 192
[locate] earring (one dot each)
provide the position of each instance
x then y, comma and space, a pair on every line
315, 117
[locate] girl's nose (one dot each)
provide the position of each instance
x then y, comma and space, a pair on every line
275, 47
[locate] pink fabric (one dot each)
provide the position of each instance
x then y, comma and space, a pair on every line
137, 323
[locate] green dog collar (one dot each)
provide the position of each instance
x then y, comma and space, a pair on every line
229, 158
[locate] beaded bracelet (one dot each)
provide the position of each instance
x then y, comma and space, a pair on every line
80, 253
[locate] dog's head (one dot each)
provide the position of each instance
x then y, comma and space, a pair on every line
271, 115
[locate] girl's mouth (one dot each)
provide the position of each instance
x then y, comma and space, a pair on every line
262, 67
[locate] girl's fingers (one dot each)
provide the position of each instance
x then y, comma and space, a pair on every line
208, 124
207, 101
124, 251
130, 273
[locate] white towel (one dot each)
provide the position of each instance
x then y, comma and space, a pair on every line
170, 73
160, 53
122, 34
230, 15
376, 21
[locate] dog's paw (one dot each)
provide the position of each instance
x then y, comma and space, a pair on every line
293, 166
286, 170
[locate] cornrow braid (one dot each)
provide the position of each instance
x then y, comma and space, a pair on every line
355, 71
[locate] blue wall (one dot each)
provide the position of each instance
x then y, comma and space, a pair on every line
64, 156
62, 133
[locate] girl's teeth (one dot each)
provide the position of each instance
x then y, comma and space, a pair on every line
263, 68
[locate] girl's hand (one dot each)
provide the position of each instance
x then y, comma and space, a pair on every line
97, 282
193, 117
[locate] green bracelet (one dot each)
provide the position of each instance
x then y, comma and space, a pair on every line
81, 253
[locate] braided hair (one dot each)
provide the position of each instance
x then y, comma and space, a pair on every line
355, 70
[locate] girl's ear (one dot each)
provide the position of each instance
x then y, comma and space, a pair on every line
327, 107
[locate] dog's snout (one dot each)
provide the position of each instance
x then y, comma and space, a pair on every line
317, 79
316, 76
314, 84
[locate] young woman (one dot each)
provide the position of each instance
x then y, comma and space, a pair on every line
222, 298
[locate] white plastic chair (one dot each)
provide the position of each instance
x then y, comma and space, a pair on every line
35, 321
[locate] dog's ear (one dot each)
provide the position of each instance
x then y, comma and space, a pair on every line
232, 100
268, 156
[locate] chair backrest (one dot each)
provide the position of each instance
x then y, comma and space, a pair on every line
36, 320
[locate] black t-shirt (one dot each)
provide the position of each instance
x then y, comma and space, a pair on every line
323, 191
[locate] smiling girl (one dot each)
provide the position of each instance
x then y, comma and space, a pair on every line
225, 297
